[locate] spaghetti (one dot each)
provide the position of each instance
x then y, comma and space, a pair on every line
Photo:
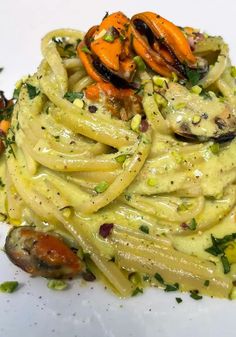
69, 170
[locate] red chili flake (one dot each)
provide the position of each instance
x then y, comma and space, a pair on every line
144, 125
184, 226
105, 229
88, 276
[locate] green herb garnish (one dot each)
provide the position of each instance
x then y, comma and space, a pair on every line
57, 285
225, 263
193, 224
1, 183
1, 69
71, 96
16, 93
137, 291
178, 300
8, 141
144, 229
69, 50
205, 94
128, 197
8, 287
172, 287
32, 91
193, 76
206, 283
159, 278
219, 244
194, 295
218, 248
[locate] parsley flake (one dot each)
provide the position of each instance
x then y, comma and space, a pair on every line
32, 91
172, 287
71, 96
193, 224
144, 229
137, 291
178, 300
159, 278
193, 76
225, 263
194, 295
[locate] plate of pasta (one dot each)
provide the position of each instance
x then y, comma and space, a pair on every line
117, 176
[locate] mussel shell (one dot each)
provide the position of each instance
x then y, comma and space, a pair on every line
109, 76
23, 243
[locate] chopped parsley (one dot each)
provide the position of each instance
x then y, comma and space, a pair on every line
128, 197
218, 249
205, 94
144, 229
159, 278
32, 91
219, 244
9, 286
193, 76
137, 291
65, 49
178, 300
171, 287
1, 183
206, 283
69, 50
72, 95
194, 295
16, 93
225, 263
8, 141
193, 224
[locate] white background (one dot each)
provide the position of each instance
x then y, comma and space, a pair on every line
91, 311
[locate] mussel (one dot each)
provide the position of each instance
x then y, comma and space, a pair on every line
161, 44
41, 254
199, 117
105, 51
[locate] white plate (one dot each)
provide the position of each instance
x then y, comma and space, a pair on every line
91, 311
